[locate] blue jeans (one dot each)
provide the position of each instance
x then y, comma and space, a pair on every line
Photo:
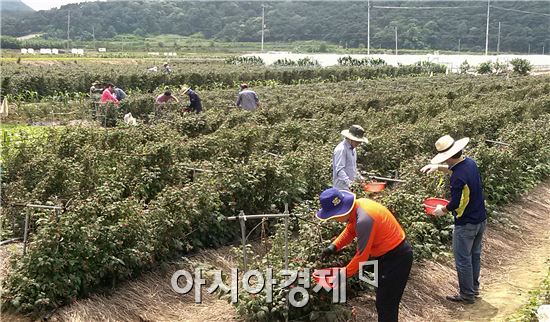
467, 251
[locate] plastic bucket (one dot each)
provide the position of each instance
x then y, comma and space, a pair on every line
325, 276
431, 203
374, 186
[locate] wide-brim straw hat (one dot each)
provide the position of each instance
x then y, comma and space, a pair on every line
355, 133
446, 147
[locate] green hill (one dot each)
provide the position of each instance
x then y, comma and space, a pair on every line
437, 25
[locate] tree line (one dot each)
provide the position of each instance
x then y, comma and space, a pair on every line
449, 25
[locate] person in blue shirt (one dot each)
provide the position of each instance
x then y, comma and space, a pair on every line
467, 204
344, 158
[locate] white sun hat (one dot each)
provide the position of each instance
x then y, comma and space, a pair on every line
355, 133
446, 147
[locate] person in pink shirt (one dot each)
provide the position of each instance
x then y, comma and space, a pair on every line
108, 94
166, 98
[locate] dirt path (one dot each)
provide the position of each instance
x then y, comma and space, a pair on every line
515, 260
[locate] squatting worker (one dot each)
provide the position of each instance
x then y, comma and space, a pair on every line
467, 205
379, 236
166, 98
247, 99
344, 158
108, 94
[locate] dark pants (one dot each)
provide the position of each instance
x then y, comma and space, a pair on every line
393, 273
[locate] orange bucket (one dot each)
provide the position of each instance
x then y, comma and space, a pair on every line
374, 186
431, 203
325, 276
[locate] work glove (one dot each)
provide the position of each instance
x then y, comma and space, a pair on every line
430, 168
331, 249
438, 212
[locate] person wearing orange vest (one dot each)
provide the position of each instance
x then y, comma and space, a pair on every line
379, 236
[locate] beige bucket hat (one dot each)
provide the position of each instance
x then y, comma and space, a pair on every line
446, 147
355, 133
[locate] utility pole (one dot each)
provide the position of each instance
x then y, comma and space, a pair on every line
396, 41
93, 35
529, 49
498, 39
68, 27
487, 30
368, 27
263, 25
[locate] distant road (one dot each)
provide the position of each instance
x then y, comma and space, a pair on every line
29, 36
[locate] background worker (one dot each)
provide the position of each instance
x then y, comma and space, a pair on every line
467, 205
166, 68
344, 158
120, 94
195, 104
95, 91
248, 99
108, 94
378, 235
166, 98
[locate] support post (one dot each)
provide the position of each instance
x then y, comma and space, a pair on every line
286, 236
26, 232
242, 220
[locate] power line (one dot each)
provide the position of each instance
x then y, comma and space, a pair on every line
385, 7
522, 11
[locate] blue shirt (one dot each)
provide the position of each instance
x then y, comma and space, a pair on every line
344, 165
467, 202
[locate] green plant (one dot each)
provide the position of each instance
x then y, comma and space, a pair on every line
521, 66
485, 68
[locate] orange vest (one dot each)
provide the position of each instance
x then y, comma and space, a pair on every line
376, 229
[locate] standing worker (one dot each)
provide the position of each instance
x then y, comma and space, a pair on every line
344, 158
467, 205
195, 104
378, 235
247, 99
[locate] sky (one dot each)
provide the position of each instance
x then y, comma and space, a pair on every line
48, 4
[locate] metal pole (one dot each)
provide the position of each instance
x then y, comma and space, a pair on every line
498, 39
368, 27
242, 220
26, 232
395, 40
487, 30
68, 27
286, 237
263, 25
458, 44
529, 49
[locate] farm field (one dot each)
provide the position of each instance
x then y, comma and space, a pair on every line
137, 198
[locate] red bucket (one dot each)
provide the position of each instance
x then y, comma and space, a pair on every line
374, 186
325, 276
431, 203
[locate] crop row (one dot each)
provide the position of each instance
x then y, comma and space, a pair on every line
28, 82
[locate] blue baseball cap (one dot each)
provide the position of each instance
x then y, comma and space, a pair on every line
335, 203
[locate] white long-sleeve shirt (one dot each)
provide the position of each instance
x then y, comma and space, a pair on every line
344, 165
